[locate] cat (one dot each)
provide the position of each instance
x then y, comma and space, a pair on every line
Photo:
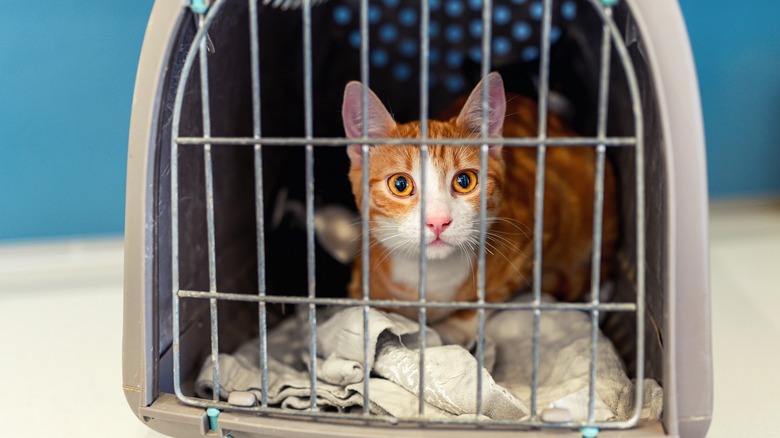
452, 207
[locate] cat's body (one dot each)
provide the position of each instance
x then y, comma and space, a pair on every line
452, 213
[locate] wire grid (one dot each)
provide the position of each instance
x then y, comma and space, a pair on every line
610, 39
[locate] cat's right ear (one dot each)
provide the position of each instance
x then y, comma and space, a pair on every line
470, 116
380, 122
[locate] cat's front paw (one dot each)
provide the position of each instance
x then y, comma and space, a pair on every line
456, 330
460, 328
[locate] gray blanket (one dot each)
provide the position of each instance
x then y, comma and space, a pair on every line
450, 370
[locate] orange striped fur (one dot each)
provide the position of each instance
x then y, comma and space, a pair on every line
568, 206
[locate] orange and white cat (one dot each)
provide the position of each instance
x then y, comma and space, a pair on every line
452, 207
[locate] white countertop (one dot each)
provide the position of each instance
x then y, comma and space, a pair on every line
61, 331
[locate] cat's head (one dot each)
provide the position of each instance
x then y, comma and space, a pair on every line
452, 173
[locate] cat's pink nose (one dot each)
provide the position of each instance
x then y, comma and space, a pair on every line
437, 224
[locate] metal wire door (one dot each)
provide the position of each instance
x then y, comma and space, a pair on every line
611, 39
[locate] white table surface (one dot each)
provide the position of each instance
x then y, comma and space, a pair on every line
61, 331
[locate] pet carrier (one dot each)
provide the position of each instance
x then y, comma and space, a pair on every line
237, 159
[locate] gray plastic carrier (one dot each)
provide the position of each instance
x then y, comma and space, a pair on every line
174, 315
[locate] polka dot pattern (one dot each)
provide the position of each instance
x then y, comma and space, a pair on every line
454, 83
388, 33
454, 58
537, 10
354, 39
501, 15
433, 29
521, 31
407, 17
569, 10
374, 14
475, 53
501, 46
454, 8
555, 34
408, 47
379, 58
433, 56
342, 15
402, 72
530, 53
455, 35
475, 28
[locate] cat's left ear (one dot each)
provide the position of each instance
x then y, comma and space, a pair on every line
380, 122
470, 116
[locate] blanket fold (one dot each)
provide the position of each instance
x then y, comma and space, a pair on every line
450, 370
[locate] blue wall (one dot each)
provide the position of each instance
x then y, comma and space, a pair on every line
67, 70
737, 50
66, 81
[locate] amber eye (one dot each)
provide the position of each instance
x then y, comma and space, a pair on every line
464, 181
400, 184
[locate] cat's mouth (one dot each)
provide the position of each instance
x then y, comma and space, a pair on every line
437, 242
439, 249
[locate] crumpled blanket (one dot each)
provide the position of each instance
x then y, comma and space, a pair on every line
450, 370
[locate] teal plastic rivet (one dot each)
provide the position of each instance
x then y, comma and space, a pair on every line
609, 3
212, 413
589, 432
198, 6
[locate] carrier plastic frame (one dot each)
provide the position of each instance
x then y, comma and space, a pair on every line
686, 344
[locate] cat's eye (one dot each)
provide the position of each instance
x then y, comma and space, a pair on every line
400, 184
464, 181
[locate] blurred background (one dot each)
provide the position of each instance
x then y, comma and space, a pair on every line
67, 71
66, 85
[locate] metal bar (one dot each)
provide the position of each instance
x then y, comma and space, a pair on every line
457, 422
175, 256
348, 302
487, 9
200, 36
209, 169
308, 121
476, 141
425, 18
537, 274
364, 209
636, 100
259, 216
544, 77
423, 277
544, 69
598, 215
424, 49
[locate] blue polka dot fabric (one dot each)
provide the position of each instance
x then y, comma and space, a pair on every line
455, 35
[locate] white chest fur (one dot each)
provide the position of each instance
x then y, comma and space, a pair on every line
444, 276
